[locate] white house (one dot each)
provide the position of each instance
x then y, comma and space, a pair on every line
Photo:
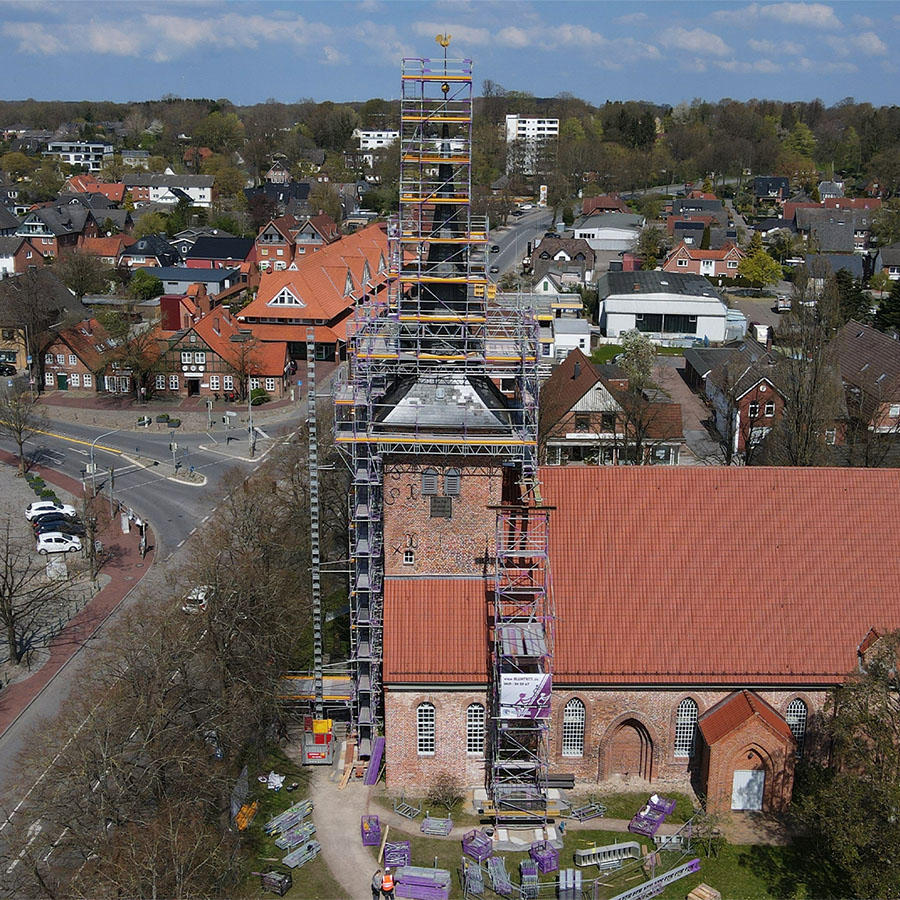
86, 154
666, 306
528, 134
609, 231
170, 188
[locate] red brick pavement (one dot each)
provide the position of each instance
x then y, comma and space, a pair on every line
125, 569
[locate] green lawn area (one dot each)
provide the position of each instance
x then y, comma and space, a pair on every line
313, 881
604, 353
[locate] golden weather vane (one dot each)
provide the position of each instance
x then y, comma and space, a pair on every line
444, 39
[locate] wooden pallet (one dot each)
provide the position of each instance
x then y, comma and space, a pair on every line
704, 892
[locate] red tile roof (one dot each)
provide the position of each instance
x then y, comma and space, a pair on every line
727, 251
690, 575
216, 330
107, 246
734, 711
85, 338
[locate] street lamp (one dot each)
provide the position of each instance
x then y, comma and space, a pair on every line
93, 467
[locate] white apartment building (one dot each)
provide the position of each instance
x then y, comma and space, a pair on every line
528, 132
375, 140
80, 153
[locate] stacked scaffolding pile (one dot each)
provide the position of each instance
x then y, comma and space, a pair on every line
437, 332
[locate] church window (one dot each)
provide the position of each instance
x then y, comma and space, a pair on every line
425, 728
475, 729
685, 727
796, 721
573, 728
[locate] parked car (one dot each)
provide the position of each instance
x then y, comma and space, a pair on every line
495, 269
526, 206
7, 370
783, 304
57, 542
48, 516
41, 507
495, 248
64, 526
196, 600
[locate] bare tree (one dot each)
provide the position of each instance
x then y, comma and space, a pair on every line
243, 360
21, 417
25, 592
83, 273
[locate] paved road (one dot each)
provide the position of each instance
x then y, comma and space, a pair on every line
513, 239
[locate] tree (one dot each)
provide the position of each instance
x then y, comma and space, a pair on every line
888, 316
138, 349
853, 302
243, 361
17, 165
144, 286
880, 282
886, 223
220, 132
151, 223
113, 169
83, 273
706, 239
324, 198
25, 592
801, 140
230, 181
850, 808
757, 266
21, 417
649, 245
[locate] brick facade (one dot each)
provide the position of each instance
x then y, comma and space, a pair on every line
462, 544
629, 738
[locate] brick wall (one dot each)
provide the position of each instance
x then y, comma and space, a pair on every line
461, 544
614, 720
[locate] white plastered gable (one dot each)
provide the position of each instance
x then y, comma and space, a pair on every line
285, 297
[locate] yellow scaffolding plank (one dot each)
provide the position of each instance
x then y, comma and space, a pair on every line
435, 118
432, 198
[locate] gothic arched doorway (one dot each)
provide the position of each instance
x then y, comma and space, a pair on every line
629, 751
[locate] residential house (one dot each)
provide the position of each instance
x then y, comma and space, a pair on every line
198, 190
768, 189
215, 355
177, 279
563, 249
194, 157
179, 311
609, 231
278, 173
666, 306
109, 249
711, 263
30, 304
741, 384
704, 220
294, 194
871, 203
688, 231
831, 190
9, 223
17, 254
608, 203
114, 191
320, 291
890, 261
150, 250
689, 206
185, 239
55, 229
136, 159
869, 363
283, 240
77, 358
214, 252
835, 230
820, 265
84, 154
587, 418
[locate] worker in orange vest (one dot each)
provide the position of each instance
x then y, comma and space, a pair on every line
387, 884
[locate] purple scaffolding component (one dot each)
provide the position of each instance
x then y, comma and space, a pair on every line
397, 853
370, 829
375, 762
648, 819
477, 845
545, 855
422, 884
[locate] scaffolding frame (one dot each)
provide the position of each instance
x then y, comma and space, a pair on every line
438, 323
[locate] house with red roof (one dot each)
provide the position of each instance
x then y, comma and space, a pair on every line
320, 291
712, 263
215, 355
608, 203
109, 249
17, 254
702, 617
88, 184
81, 358
281, 241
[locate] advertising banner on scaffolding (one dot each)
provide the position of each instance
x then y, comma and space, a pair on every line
525, 696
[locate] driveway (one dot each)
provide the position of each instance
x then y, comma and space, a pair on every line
701, 448
760, 310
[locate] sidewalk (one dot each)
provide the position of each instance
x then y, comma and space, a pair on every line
125, 569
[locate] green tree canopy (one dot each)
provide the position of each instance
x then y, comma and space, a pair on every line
888, 315
144, 286
757, 266
17, 165
150, 223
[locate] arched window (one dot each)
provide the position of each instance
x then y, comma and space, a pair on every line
425, 729
573, 728
796, 720
685, 727
451, 483
475, 729
429, 482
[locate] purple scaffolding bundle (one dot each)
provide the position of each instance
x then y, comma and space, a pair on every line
397, 853
651, 816
420, 883
545, 855
370, 829
477, 845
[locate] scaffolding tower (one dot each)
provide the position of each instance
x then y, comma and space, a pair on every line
437, 366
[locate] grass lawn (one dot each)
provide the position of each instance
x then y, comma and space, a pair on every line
313, 881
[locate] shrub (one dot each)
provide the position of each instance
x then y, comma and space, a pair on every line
173, 423
259, 396
48, 494
445, 790
162, 417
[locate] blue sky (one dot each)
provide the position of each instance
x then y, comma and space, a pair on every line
350, 50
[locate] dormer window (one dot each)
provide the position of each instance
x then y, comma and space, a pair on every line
286, 297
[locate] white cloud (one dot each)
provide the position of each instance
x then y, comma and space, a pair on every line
819, 67
694, 40
550, 37
804, 15
514, 37
775, 48
759, 66
631, 18
867, 43
334, 57
465, 34
863, 21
